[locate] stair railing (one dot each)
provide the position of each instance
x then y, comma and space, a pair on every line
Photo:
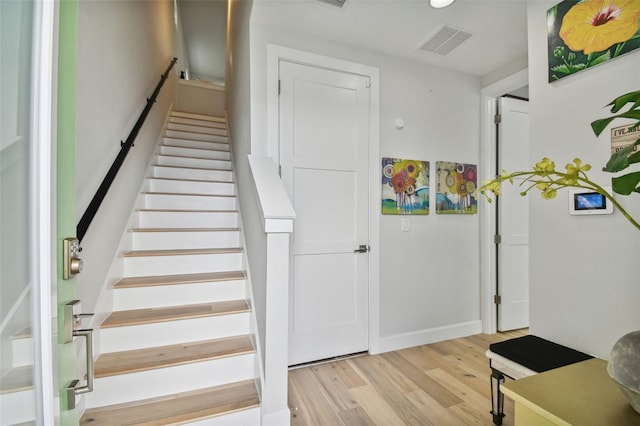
96, 201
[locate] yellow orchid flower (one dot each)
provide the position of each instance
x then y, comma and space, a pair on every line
545, 166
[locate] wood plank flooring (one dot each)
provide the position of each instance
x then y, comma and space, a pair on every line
445, 383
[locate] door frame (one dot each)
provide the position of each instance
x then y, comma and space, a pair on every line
488, 270
275, 54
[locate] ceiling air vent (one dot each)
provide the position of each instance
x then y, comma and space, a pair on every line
337, 3
445, 40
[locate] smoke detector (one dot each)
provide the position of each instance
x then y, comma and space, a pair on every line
336, 3
445, 40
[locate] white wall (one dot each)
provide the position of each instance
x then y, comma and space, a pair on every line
584, 280
429, 277
205, 27
123, 48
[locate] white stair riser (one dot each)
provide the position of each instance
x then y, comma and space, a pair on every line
186, 173
203, 123
165, 160
132, 337
166, 381
193, 152
186, 264
189, 202
184, 240
195, 116
191, 187
17, 407
169, 219
250, 417
196, 129
177, 294
218, 146
194, 136
22, 351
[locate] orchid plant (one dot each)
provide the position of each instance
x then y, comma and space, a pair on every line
548, 180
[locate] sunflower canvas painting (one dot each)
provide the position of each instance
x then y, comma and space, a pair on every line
456, 188
583, 34
405, 186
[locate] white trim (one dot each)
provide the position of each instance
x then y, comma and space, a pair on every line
488, 272
274, 55
430, 335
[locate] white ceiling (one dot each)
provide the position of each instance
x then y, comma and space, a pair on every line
400, 27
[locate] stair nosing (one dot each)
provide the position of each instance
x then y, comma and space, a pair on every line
229, 182
200, 149
178, 279
132, 317
194, 168
194, 158
187, 194
181, 252
245, 401
166, 363
196, 133
185, 114
185, 230
172, 117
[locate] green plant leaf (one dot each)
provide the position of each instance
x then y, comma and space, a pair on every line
626, 184
620, 160
562, 69
600, 59
599, 125
618, 103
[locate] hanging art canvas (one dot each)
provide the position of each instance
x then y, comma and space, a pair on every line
456, 188
583, 34
405, 186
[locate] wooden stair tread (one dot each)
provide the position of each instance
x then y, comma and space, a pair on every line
181, 252
150, 281
190, 180
193, 131
201, 123
188, 210
171, 313
185, 230
17, 380
187, 194
193, 157
200, 149
193, 168
125, 362
199, 116
177, 408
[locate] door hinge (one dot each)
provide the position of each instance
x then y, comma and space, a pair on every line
280, 171
279, 86
497, 299
497, 239
367, 83
497, 119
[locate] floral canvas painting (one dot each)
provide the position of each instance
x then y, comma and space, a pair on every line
582, 34
405, 186
456, 188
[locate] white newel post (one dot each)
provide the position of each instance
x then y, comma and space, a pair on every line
278, 215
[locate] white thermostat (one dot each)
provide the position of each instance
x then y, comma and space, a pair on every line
585, 202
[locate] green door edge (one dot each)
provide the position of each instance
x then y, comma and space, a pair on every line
66, 189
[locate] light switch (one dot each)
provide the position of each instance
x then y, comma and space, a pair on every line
404, 224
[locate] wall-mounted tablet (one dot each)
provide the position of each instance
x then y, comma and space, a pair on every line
585, 202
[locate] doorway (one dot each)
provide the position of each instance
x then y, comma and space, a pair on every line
488, 254
325, 145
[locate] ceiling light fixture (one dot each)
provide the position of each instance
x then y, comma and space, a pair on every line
438, 4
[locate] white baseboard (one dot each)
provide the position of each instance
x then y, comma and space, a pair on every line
431, 335
278, 418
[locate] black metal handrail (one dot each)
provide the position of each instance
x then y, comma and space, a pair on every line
94, 205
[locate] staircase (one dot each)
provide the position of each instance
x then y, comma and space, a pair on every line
17, 396
177, 349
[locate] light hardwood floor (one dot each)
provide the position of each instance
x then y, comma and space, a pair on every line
445, 383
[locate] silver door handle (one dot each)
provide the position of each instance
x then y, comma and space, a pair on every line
362, 249
73, 389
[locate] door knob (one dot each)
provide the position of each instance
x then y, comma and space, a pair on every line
362, 249
72, 264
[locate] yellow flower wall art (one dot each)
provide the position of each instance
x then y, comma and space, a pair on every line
405, 186
456, 188
582, 34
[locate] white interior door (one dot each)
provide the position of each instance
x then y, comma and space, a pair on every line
324, 137
513, 217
